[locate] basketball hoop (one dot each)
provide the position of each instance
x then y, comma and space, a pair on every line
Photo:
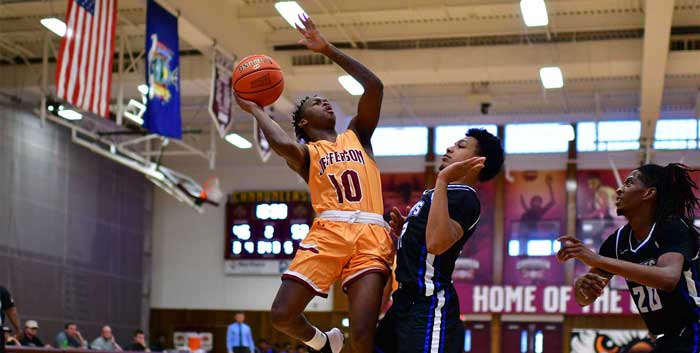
211, 190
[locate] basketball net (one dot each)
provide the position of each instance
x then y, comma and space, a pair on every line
211, 190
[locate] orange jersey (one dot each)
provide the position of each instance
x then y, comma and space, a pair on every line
343, 177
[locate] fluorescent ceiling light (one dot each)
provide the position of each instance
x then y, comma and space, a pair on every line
551, 77
534, 13
351, 85
143, 88
290, 10
238, 141
54, 25
70, 114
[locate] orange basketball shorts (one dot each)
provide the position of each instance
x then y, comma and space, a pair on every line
339, 250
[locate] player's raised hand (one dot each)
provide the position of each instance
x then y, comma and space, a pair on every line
248, 106
566, 241
397, 220
465, 171
313, 39
573, 248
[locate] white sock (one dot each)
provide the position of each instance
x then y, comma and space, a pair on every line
318, 341
336, 339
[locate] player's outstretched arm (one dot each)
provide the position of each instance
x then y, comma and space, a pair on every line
590, 286
370, 104
296, 154
442, 231
664, 275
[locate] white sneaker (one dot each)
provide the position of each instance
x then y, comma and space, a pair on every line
336, 338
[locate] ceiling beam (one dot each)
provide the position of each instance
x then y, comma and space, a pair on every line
657, 33
376, 20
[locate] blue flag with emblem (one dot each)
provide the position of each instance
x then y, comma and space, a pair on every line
162, 73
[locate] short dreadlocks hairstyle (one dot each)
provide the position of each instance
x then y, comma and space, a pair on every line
675, 190
296, 117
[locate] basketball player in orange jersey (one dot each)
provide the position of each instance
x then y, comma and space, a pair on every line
349, 238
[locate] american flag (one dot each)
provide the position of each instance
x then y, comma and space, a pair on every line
84, 66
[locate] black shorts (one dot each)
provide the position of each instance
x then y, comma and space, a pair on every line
420, 324
687, 340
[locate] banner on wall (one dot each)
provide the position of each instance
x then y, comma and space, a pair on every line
531, 299
221, 98
401, 190
475, 263
535, 216
603, 341
162, 73
596, 213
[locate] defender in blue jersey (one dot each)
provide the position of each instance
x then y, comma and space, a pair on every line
424, 316
656, 252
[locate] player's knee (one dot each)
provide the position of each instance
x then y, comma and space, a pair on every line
280, 317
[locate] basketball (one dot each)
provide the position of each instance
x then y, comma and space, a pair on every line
258, 78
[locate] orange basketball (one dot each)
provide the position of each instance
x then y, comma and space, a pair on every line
258, 78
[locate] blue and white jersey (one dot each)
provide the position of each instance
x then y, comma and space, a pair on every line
663, 312
423, 271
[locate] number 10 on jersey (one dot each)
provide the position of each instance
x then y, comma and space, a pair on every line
348, 186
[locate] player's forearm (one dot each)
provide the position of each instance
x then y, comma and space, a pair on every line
279, 140
274, 134
360, 72
664, 278
439, 235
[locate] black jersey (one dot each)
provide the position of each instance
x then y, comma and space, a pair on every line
663, 312
416, 268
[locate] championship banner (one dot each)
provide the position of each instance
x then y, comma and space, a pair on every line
221, 98
596, 213
261, 143
475, 263
535, 217
476, 299
598, 341
162, 73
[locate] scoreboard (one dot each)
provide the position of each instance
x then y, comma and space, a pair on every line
266, 225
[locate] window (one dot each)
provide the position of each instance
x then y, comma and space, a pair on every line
676, 134
467, 340
539, 342
400, 141
537, 138
536, 247
608, 136
523, 341
446, 136
514, 248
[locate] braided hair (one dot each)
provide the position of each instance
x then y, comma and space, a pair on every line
674, 189
296, 117
675, 193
